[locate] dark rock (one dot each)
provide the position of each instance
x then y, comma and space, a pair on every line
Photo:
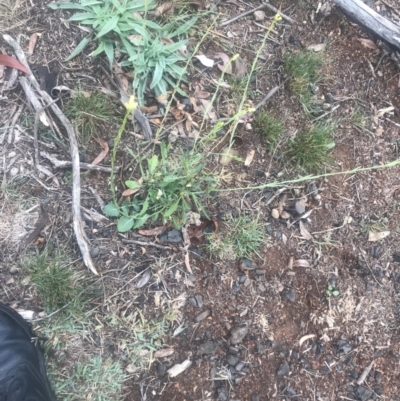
396, 257
208, 348
259, 174
378, 390
312, 189
239, 366
110, 143
255, 398
278, 234
232, 360
196, 301
248, 264
295, 354
294, 41
267, 195
238, 334
376, 252
202, 316
269, 229
161, 369
222, 394
233, 350
172, 235
329, 98
289, 294
94, 252
363, 394
342, 346
378, 377
290, 392
340, 83
284, 369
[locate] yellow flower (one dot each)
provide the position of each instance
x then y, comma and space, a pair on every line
131, 104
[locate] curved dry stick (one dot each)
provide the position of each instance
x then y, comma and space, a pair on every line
76, 178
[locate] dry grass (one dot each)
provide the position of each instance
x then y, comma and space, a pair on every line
13, 13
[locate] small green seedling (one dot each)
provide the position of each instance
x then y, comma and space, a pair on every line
330, 291
269, 128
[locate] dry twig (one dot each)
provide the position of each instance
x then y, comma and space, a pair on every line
76, 183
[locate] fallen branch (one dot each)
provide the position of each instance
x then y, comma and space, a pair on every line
76, 183
84, 166
272, 8
370, 19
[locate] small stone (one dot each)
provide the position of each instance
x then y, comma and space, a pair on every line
239, 366
317, 197
207, 348
275, 214
238, 334
248, 264
285, 215
259, 15
378, 377
161, 369
378, 390
342, 346
293, 41
340, 83
312, 189
94, 252
284, 369
269, 229
202, 316
173, 236
196, 301
396, 257
300, 206
363, 394
376, 252
110, 143
289, 294
222, 394
267, 194
232, 360
14, 270
329, 98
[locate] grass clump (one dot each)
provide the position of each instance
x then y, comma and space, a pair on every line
303, 70
99, 379
169, 187
56, 285
242, 238
89, 114
310, 149
269, 128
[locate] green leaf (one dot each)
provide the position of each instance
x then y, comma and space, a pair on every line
108, 26
125, 223
330, 145
109, 50
183, 28
157, 75
132, 184
152, 163
171, 210
99, 50
79, 49
66, 6
335, 293
144, 207
111, 210
82, 16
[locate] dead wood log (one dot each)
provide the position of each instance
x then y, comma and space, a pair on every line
368, 18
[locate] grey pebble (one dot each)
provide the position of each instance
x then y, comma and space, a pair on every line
208, 348
94, 252
232, 360
248, 264
239, 366
196, 301
173, 236
329, 98
289, 294
222, 394
202, 316
284, 369
14, 270
300, 206
238, 334
363, 394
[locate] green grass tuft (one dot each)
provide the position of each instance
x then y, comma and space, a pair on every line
303, 69
242, 238
269, 128
56, 284
99, 379
89, 114
310, 149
